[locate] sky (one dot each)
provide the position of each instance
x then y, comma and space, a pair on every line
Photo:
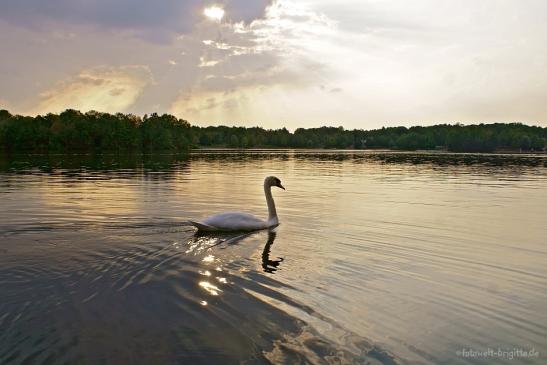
279, 63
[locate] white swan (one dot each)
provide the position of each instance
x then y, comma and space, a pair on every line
236, 221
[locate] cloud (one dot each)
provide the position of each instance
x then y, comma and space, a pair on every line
208, 63
107, 89
145, 18
213, 106
4, 104
380, 62
245, 10
271, 107
243, 59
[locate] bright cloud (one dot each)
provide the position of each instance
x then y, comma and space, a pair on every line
104, 89
251, 64
208, 63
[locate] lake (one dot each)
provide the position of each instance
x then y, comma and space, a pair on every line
380, 258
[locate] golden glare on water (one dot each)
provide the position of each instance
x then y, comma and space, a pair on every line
205, 273
214, 12
208, 258
210, 288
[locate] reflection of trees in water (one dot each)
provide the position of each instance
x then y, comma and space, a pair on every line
419, 158
241, 155
163, 166
460, 159
115, 165
364, 156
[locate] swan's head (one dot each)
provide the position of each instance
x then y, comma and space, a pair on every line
273, 181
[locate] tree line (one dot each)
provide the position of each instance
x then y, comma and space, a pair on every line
73, 131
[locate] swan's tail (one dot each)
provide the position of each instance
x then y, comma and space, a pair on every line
202, 227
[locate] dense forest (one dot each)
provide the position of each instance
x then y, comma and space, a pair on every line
73, 131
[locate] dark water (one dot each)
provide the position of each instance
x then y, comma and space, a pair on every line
380, 258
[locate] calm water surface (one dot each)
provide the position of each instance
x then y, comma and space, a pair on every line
380, 258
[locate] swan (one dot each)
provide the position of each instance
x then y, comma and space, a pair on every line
237, 221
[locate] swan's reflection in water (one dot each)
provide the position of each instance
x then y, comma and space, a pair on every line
268, 265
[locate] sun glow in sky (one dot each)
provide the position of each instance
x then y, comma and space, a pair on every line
274, 63
214, 13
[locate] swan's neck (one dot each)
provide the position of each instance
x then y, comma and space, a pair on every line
272, 213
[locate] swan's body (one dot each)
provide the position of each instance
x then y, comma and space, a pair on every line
231, 221
238, 221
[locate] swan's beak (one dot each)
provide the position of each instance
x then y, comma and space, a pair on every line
281, 186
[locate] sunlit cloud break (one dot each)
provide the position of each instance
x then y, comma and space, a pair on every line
214, 12
107, 89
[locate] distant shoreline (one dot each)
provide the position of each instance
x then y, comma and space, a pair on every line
75, 132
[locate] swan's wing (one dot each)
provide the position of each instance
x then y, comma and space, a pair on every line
233, 221
202, 227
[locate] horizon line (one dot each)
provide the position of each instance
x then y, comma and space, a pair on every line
200, 124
